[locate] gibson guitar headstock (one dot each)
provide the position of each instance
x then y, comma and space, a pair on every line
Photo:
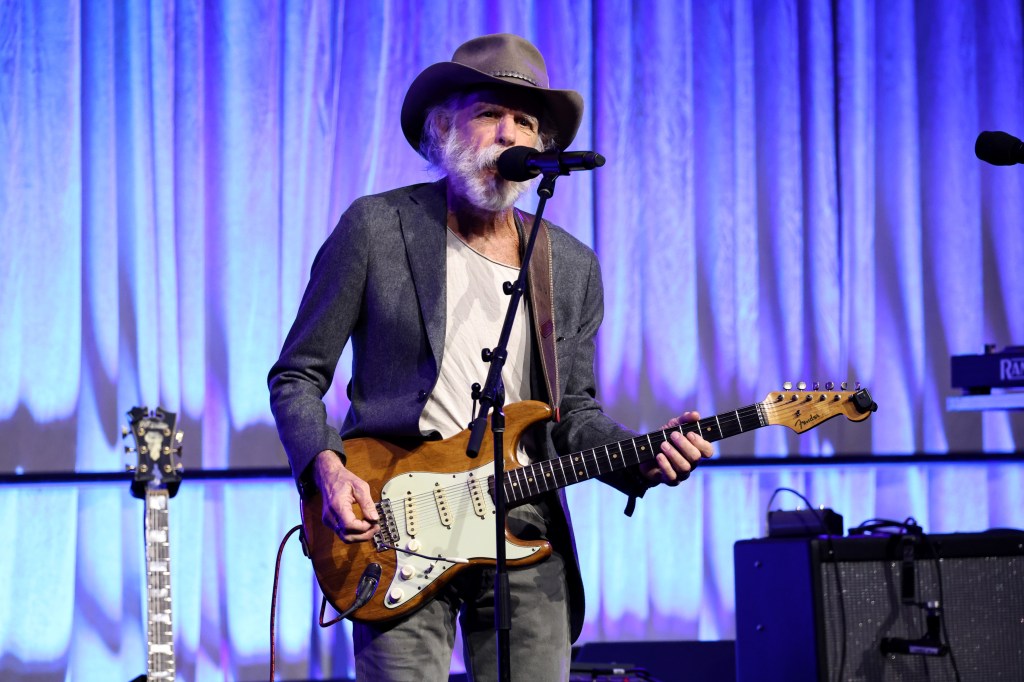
156, 443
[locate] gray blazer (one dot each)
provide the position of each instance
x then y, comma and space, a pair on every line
379, 280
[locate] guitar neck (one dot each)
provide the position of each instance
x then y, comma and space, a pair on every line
540, 477
158, 586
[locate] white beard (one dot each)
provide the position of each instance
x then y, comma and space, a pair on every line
465, 168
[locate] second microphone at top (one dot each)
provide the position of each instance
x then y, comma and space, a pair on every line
525, 163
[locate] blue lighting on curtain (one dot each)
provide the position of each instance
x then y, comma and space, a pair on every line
791, 194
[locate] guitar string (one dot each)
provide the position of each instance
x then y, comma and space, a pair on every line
159, 589
589, 459
425, 505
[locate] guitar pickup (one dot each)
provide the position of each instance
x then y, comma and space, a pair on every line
477, 495
441, 500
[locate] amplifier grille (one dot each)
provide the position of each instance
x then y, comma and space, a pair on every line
983, 614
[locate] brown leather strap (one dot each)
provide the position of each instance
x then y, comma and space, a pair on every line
542, 301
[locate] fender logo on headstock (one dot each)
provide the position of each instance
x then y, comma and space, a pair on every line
804, 423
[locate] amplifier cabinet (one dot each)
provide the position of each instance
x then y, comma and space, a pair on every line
791, 624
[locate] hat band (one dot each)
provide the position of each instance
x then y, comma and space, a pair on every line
514, 74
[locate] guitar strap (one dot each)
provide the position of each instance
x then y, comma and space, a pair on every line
542, 301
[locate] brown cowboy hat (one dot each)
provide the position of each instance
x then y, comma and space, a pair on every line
500, 61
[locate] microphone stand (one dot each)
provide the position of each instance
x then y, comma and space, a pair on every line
492, 396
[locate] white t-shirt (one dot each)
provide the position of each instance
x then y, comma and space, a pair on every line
475, 312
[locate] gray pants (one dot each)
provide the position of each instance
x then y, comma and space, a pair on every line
419, 648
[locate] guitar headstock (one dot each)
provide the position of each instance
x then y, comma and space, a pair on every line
803, 409
156, 443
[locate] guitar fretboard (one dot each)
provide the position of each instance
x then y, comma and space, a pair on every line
158, 584
544, 476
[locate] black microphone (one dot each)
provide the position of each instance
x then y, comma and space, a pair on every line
999, 148
525, 163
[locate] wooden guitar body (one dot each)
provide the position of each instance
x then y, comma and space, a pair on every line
432, 500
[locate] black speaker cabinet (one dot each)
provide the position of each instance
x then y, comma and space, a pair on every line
791, 624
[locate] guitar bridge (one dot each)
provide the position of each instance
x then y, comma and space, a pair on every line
388, 533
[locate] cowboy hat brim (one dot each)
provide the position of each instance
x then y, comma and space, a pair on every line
564, 108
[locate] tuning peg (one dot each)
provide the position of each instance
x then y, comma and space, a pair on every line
128, 449
801, 385
124, 431
178, 437
787, 385
816, 386
179, 467
829, 385
858, 385
842, 386
129, 467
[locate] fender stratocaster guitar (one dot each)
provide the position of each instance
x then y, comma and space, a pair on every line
156, 480
436, 506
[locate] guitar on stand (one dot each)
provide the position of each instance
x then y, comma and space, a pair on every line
156, 480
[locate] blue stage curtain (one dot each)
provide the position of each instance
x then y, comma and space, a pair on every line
791, 194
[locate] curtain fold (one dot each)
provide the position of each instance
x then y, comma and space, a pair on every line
790, 194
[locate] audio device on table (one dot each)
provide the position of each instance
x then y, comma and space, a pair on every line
979, 374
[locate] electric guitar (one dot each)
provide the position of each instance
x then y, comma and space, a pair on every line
156, 480
436, 506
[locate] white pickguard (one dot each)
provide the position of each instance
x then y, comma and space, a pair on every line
446, 516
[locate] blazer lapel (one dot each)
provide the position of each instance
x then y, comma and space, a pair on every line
423, 228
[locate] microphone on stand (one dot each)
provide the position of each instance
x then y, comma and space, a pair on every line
525, 163
999, 148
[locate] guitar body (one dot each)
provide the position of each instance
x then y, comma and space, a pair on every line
433, 500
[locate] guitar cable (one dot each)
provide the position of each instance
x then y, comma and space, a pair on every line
365, 590
273, 597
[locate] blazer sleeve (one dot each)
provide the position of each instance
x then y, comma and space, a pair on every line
583, 423
328, 312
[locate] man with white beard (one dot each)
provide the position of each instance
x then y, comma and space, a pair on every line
413, 278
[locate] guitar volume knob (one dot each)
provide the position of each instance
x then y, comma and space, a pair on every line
395, 595
407, 572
